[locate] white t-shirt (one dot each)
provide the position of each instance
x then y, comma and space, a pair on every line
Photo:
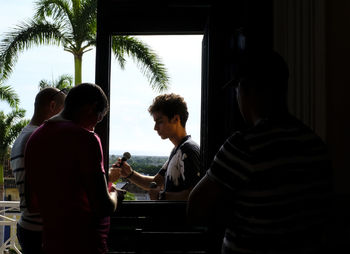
29, 221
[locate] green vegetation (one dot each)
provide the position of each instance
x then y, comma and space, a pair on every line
147, 165
129, 196
64, 81
11, 125
8, 95
72, 24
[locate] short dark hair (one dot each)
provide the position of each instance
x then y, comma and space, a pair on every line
84, 94
170, 105
46, 95
267, 73
266, 67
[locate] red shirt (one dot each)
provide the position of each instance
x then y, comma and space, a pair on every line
61, 162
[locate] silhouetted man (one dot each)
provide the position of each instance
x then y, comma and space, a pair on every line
48, 102
65, 177
274, 176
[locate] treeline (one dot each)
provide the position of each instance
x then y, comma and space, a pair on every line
147, 165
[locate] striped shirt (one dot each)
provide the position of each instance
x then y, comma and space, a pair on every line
29, 221
278, 175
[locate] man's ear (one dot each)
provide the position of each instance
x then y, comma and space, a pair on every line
52, 106
175, 119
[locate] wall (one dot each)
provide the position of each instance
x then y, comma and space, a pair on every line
338, 90
313, 36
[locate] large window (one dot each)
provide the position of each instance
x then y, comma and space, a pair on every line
131, 126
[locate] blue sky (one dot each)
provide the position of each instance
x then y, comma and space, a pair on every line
131, 127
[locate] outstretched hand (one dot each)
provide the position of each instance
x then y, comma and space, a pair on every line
125, 168
114, 174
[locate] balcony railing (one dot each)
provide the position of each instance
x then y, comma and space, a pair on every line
8, 212
156, 227
135, 228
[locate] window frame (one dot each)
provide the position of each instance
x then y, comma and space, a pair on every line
218, 22
137, 18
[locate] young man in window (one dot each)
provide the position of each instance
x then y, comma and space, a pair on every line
181, 171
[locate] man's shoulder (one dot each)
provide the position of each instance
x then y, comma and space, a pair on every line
61, 133
282, 136
67, 127
272, 128
22, 139
26, 132
189, 145
237, 142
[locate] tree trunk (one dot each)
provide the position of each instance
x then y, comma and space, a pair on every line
77, 68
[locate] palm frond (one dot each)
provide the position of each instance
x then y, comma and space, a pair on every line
147, 60
9, 95
3, 128
15, 130
84, 22
43, 84
76, 6
58, 10
24, 37
14, 115
63, 81
89, 16
90, 43
9, 129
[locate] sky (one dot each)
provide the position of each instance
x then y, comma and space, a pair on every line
131, 126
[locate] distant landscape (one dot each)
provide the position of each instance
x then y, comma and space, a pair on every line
147, 165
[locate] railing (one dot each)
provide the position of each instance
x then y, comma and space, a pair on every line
155, 227
137, 227
8, 208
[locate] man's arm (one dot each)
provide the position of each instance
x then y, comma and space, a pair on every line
140, 180
204, 201
103, 201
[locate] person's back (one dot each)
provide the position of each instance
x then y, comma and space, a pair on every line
279, 176
66, 181
275, 176
48, 102
17, 164
64, 170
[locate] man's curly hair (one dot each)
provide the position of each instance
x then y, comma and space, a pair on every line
170, 105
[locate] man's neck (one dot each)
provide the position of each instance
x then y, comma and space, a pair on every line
176, 139
36, 120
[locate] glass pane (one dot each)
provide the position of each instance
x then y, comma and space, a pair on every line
131, 125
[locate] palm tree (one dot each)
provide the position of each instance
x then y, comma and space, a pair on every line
64, 81
8, 94
10, 126
72, 24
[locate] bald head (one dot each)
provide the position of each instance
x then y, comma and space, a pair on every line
46, 95
48, 102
